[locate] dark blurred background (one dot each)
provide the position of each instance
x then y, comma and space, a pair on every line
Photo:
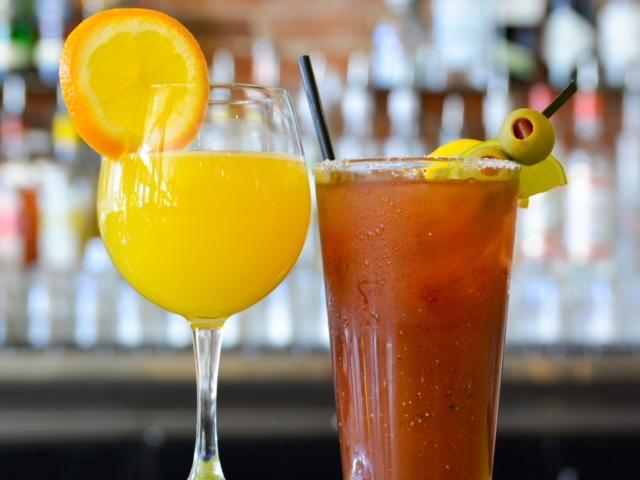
96, 383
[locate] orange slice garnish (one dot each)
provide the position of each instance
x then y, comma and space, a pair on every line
108, 69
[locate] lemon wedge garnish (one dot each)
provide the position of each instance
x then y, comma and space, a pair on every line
541, 177
455, 148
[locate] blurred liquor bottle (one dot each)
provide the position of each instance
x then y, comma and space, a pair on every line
267, 326
618, 39
589, 220
517, 46
496, 104
12, 250
395, 39
430, 74
358, 112
628, 207
452, 120
590, 195
463, 34
18, 176
49, 307
12, 245
95, 287
13, 178
628, 178
52, 18
19, 212
535, 313
218, 136
568, 39
17, 35
12, 127
265, 62
179, 332
68, 195
223, 66
307, 302
5, 38
404, 110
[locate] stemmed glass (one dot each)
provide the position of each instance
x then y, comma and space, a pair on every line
208, 230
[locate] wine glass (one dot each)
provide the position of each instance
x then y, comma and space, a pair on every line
209, 230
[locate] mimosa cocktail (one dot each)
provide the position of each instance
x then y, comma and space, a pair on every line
203, 200
204, 234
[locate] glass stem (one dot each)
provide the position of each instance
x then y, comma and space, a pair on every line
206, 462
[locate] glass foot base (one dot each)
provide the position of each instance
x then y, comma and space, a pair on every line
207, 470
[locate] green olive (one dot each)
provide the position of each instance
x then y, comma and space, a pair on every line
487, 149
527, 136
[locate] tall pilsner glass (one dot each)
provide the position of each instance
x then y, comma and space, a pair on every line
209, 230
417, 256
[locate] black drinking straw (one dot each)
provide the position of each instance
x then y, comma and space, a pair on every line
315, 105
561, 99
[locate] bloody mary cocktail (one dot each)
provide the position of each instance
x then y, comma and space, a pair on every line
417, 256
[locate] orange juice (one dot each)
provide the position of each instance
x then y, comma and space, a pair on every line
204, 234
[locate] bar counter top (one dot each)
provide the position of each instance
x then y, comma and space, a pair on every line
105, 395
